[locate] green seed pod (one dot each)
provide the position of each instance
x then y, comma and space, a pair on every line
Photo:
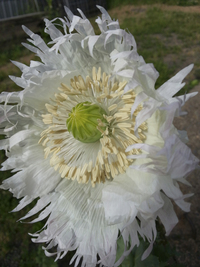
83, 121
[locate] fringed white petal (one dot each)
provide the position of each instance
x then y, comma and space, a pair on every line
76, 216
173, 85
167, 215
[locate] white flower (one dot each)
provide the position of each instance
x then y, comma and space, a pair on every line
126, 177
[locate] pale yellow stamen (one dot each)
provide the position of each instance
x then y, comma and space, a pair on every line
116, 136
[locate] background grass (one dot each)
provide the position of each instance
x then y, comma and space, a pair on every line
169, 39
114, 3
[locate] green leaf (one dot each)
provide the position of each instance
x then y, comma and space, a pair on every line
151, 261
134, 258
161, 254
163, 251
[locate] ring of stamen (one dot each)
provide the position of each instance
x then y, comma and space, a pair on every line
105, 158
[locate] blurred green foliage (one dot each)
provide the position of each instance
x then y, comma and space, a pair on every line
160, 34
114, 3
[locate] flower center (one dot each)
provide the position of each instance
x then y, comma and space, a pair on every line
89, 128
83, 122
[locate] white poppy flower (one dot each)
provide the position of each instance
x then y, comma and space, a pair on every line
92, 138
